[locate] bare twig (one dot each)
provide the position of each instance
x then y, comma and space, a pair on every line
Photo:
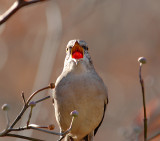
55, 133
48, 87
15, 7
32, 104
8, 121
30, 115
26, 105
24, 100
142, 61
74, 114
40, 100
22, 137
39, 128
19, 116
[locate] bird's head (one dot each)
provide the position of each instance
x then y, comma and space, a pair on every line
77, 53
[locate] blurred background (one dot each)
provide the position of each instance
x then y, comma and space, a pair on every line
32, 51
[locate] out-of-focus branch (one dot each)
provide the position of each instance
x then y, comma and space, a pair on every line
142, 61
15, 7
154, 136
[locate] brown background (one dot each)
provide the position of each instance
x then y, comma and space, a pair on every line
32, 51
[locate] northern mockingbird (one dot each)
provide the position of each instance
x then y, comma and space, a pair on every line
80, 88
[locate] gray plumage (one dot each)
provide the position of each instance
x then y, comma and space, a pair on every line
79, 88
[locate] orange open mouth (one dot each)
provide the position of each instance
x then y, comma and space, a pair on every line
77, 51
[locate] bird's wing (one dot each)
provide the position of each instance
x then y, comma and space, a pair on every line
96, 129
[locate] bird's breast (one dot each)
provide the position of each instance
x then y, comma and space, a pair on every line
77, 86
82, 93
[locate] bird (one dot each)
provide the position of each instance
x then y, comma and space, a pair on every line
80, 88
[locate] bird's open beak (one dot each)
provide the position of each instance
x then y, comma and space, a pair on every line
77, 51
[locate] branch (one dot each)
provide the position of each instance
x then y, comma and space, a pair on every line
24, 100
15, 7
23, 137
42, 99
142, 61
39, 128
27, 104
30, 115
74, 114
28, 126
51, 86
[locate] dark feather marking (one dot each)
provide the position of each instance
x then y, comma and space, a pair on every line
95, 131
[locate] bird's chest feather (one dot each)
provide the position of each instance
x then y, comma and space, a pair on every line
82, 93
77, 87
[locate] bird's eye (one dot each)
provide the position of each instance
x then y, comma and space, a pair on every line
85, 47
66, 49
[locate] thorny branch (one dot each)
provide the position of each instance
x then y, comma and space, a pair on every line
15, 7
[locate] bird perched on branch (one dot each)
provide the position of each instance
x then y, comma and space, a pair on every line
80, 88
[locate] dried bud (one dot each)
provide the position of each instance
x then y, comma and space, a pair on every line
32, 104
52, 85
74, 113
5, 107
142, 60
51, 127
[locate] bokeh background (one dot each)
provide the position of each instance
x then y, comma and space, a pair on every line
32, 51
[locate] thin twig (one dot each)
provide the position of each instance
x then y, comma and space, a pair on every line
30, 126
26, 105
23, 97
15, 7
55, 133
29, 99
30, 115
142, 61
8, 121
19, 116
64, 134
69, 129
43, 130
22, 137
40, 100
